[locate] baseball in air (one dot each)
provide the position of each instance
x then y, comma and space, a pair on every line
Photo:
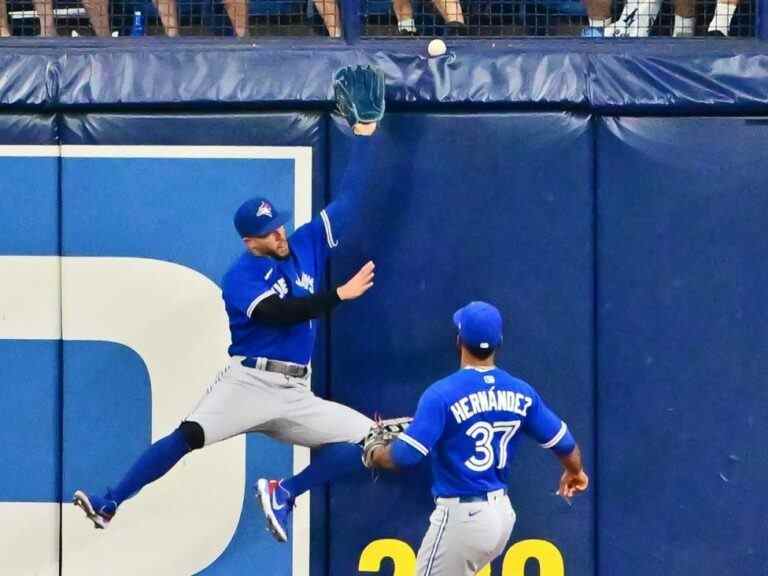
436, 47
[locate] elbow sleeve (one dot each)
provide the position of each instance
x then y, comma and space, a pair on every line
279, 312
566, 445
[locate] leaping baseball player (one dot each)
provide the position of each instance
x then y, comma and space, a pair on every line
470, 424
271, 294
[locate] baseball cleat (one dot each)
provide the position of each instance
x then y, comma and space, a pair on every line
277, 504
99, 510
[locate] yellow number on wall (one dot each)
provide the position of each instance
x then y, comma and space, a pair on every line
400, 552
545, 553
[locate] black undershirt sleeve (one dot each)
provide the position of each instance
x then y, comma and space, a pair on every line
279, 312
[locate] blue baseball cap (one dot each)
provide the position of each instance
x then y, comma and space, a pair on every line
479, 325
258, 217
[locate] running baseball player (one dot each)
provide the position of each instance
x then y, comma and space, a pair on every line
272, 297
470, 423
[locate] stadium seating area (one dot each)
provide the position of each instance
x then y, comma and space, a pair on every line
379, 18
501, 18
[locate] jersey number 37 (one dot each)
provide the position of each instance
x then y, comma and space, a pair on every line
483, 434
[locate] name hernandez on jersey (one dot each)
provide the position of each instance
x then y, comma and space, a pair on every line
490, 401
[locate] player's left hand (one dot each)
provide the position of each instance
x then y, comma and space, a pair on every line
571, 484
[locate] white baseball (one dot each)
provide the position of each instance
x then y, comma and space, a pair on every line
436, 47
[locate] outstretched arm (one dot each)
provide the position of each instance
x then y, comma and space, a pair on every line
339, 214
359, 93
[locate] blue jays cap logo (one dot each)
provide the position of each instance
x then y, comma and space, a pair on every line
258, 217
265, 209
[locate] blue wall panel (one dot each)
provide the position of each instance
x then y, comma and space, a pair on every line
30, 419
462, 207
166, 208
107, 416
29, 186
683, 323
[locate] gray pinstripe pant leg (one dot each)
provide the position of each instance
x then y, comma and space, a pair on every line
252, 400
463, 537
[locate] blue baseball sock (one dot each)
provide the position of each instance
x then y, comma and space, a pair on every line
151, 465
329, 463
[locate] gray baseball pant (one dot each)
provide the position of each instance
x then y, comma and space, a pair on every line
463, 537
246, 399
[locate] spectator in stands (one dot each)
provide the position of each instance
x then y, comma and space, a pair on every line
636, 19
5, 25
685, 19
44, 9
450, 10
98, 14
237, 10
638, 15
329, 12
599, 14
721, 20
406, 25
452, 14
169, 16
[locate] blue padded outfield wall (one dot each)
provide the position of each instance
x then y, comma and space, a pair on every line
611, 201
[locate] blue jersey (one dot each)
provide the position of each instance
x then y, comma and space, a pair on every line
252, 279
471, 423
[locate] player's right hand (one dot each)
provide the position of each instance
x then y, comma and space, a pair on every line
359, 284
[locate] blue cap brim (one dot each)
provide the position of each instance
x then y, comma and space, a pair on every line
276, 222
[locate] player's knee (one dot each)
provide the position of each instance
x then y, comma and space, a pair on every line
193, 434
